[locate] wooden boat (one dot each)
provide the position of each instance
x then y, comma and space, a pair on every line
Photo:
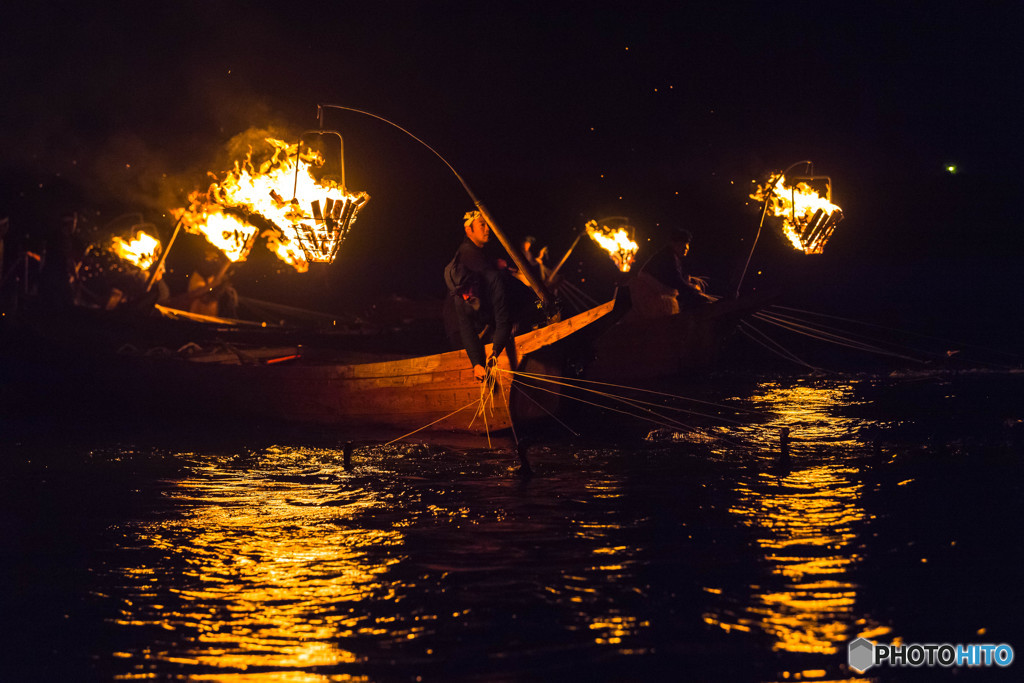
299, 384
436, 391
251, 373
641, 349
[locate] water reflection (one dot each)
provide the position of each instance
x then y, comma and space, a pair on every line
632, 562
807, 519
604, 590
256, 568
811, 410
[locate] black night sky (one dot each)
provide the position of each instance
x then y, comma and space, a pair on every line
555, 113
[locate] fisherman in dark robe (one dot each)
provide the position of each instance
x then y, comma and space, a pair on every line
671, 268
482, 297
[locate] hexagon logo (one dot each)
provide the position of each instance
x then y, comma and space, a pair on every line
861, 655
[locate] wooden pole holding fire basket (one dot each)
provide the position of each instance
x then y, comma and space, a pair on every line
163, 256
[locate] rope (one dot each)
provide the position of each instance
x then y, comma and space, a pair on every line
261, 306
508, 410
572, 295
580, 294
632, 402
669, 423
662, 420
821, 333
486, 388
778, 349
1012, 356
553, 416
840, 341
493, 379
798, 321
591, 301
454, 412
640, 390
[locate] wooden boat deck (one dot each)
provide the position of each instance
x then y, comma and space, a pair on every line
405, 393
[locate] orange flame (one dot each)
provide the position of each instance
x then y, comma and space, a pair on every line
617, 242
299, 231
808, 219
229, 233
286, 249
141, 251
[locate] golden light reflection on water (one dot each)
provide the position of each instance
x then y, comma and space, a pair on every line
609, 568
807, 520
810, 410
258, 573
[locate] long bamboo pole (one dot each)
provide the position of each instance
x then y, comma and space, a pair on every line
535, 285
565, 258
517, 258
163, 256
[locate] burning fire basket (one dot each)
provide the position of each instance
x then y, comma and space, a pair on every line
332, 219
616, 236
309, 227
803, 205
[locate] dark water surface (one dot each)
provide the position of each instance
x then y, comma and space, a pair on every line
686, 556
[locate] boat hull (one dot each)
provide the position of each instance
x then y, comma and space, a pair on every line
639, 349
295, 385
367, 391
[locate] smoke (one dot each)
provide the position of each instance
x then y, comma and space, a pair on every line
123, 151
127, 170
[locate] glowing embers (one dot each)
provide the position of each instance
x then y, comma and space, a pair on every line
231, 234
117, 263
309, 227
805, 208
141, 249
615, 236
321, 240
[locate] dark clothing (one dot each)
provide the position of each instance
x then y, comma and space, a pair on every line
533, 264
479, 320
476, 259
668, 269
144, 301
673, 271
489, 305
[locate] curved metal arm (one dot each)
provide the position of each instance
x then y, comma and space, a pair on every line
298, 160
520, 262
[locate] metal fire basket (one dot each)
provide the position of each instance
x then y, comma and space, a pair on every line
331, 220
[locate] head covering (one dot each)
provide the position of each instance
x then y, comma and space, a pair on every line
680, 235
470, 216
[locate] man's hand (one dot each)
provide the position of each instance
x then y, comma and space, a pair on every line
479, 372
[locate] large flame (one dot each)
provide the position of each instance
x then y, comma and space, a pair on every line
808, 218
308, 227
231, 234
617, 242
142, 250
